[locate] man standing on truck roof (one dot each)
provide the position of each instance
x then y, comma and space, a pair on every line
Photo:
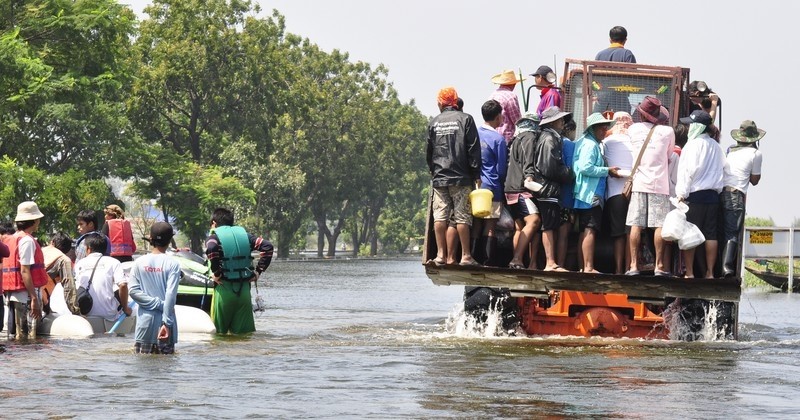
454, 161
650, 193
617, 51
494, 163
508, 100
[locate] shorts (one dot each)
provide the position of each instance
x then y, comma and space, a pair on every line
566, 215
647, 209
232, 309
591, 218
452, 200
159, 348
551, 214
614, 215
497, 207
705, 216
523, 208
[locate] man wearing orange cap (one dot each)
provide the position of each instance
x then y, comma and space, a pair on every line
454, 160
508, 100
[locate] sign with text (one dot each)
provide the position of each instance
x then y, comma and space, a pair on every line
771, 242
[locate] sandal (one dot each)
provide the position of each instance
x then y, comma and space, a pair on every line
436, 261
516, 266
470, 263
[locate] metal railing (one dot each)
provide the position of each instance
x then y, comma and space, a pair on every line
773, 242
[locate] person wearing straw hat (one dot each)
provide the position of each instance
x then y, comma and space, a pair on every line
700, 174
742, 168
24, 273
591, 172
504, 94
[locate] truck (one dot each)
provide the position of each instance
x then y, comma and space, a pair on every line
535, 302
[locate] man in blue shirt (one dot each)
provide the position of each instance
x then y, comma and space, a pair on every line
494, 163
616, 51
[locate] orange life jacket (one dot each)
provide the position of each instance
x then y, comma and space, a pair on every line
12, 276
121, 236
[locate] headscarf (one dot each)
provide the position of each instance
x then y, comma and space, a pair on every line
448, 97
695, 130
622, 120
528, 122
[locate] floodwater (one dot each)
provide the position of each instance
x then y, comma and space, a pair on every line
369, 339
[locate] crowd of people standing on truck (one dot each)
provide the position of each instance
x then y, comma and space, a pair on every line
92, 266
618, 175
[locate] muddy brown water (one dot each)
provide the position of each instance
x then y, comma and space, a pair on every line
370, 339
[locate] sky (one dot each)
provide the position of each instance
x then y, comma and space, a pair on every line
746, 52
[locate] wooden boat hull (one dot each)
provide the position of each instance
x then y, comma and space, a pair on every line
779, 280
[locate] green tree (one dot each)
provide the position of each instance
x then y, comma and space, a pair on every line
62, 72
209, 76
60, 197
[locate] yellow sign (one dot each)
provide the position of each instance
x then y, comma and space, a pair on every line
626, 89
760, 236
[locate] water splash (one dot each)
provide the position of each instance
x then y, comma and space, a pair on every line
694, 320
469, 325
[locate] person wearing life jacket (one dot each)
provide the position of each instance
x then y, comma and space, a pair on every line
229, 249
119, 233
24, 273
6, 229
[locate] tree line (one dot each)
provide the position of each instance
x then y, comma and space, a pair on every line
205, 103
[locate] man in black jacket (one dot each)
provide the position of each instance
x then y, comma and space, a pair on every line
519, 196
550, 171
454, 160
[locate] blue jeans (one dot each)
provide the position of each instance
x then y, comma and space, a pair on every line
733, 207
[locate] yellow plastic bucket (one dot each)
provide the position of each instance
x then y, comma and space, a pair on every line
481, 201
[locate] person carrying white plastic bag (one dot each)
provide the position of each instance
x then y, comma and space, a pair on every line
675, 223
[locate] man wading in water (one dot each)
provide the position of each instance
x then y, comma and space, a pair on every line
228, 250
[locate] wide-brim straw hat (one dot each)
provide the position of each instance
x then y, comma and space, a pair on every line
748, 132
507, 77
28, 210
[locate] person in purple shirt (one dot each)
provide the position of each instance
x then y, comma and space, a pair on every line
494, 163
545, 79
616, 51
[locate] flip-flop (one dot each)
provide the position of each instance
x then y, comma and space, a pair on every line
516, 266
471, 263
659, 273
592, 272
632, 273
436, 261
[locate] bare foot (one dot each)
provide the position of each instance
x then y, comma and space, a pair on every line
591, 271
555, 268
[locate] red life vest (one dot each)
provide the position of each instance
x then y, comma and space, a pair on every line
12, 276
121, 236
